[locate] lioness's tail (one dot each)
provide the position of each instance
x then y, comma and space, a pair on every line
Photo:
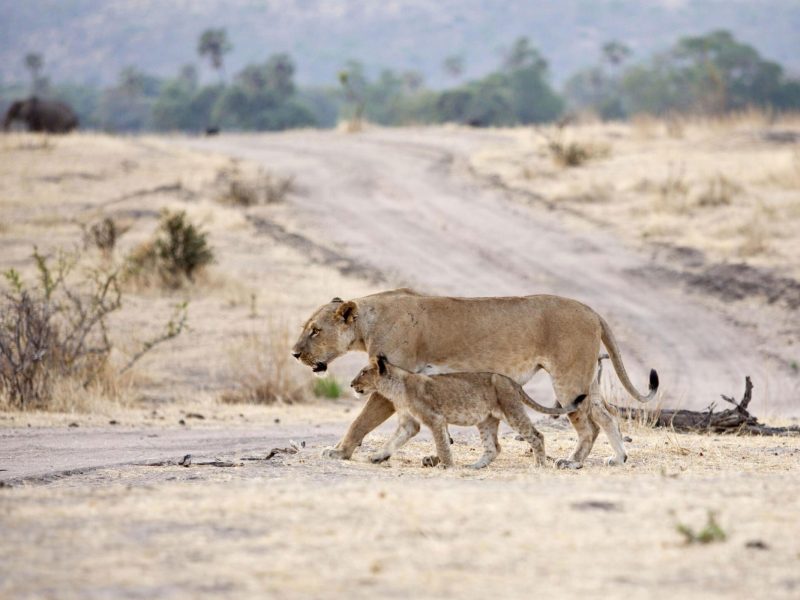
556, 410
613, 351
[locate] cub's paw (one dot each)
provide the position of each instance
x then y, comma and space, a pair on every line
379, 457
430, 461
478, 465
612, 461
565, 463
335, 453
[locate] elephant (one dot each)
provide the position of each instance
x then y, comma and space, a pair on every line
41, 115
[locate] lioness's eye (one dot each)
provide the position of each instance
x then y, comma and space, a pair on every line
314, 332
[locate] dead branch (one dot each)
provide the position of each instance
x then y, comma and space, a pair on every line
736, 420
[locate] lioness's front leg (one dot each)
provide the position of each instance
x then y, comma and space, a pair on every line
376, 410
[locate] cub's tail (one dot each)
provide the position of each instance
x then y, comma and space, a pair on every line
555, 410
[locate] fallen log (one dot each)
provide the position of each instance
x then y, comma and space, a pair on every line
736, 420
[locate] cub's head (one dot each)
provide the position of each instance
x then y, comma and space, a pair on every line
367, 379
327, 334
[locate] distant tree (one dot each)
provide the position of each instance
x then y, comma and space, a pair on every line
34, 62
413, 81
214, 44
523, 55
615, 53
454, 66
354, 85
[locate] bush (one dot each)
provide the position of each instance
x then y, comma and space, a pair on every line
327, 387
263, 188
54, 332
177, 253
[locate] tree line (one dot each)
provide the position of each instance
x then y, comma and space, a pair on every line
708, 74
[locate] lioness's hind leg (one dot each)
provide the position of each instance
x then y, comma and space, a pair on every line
488, 431
610, 426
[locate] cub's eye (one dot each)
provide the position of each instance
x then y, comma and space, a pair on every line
314, 332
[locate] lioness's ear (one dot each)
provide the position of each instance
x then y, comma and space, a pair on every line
347, 312
381, 364
336, 300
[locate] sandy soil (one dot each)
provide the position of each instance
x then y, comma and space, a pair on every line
299, 526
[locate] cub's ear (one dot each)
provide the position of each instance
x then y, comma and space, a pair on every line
381, 364
336, 300
347, 312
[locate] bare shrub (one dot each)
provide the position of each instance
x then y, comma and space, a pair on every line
260, 188
54, 332
572, 153
103, 235
673, 190
265, 372
174, 256
720, 191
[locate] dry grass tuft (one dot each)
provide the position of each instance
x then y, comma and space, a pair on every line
241, 189
265, 372
720, 191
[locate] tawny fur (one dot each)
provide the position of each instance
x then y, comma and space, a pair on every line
513, 336
480, 399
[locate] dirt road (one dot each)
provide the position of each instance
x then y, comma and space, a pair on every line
403, 203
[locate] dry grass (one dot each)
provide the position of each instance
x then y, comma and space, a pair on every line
726, 186
265, 372
45, 197
240, 188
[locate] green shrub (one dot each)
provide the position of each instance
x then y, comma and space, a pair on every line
177, 253
327, 387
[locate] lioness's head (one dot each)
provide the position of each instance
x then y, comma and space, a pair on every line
328, 334
367, 379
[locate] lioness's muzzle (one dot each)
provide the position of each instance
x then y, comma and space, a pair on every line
320, 367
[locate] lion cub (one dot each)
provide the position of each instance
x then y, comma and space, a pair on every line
480, 399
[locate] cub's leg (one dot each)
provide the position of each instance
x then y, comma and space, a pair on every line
442, 441
610, 426
516, 416
488, 431
375, 411
407, 428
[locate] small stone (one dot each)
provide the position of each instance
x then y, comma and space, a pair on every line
113, 422
181, 422
757, 545
186, 461
277, 421
73, 424
628, 439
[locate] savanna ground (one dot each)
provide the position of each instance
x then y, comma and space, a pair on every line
90, 512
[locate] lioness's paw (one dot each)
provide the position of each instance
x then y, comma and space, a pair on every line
478, 465
565, 463
430, 461
379, 457
613, 461
334, 453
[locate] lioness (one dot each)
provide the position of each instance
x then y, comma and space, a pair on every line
513, 336
480, 399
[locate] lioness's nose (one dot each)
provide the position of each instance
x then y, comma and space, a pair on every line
296, 354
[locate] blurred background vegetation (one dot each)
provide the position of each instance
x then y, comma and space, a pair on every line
496, 79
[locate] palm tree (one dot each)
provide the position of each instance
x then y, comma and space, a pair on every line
34, 63
454, 66
214, 44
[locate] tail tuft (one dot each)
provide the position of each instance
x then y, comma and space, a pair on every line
653, 380
581, 398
